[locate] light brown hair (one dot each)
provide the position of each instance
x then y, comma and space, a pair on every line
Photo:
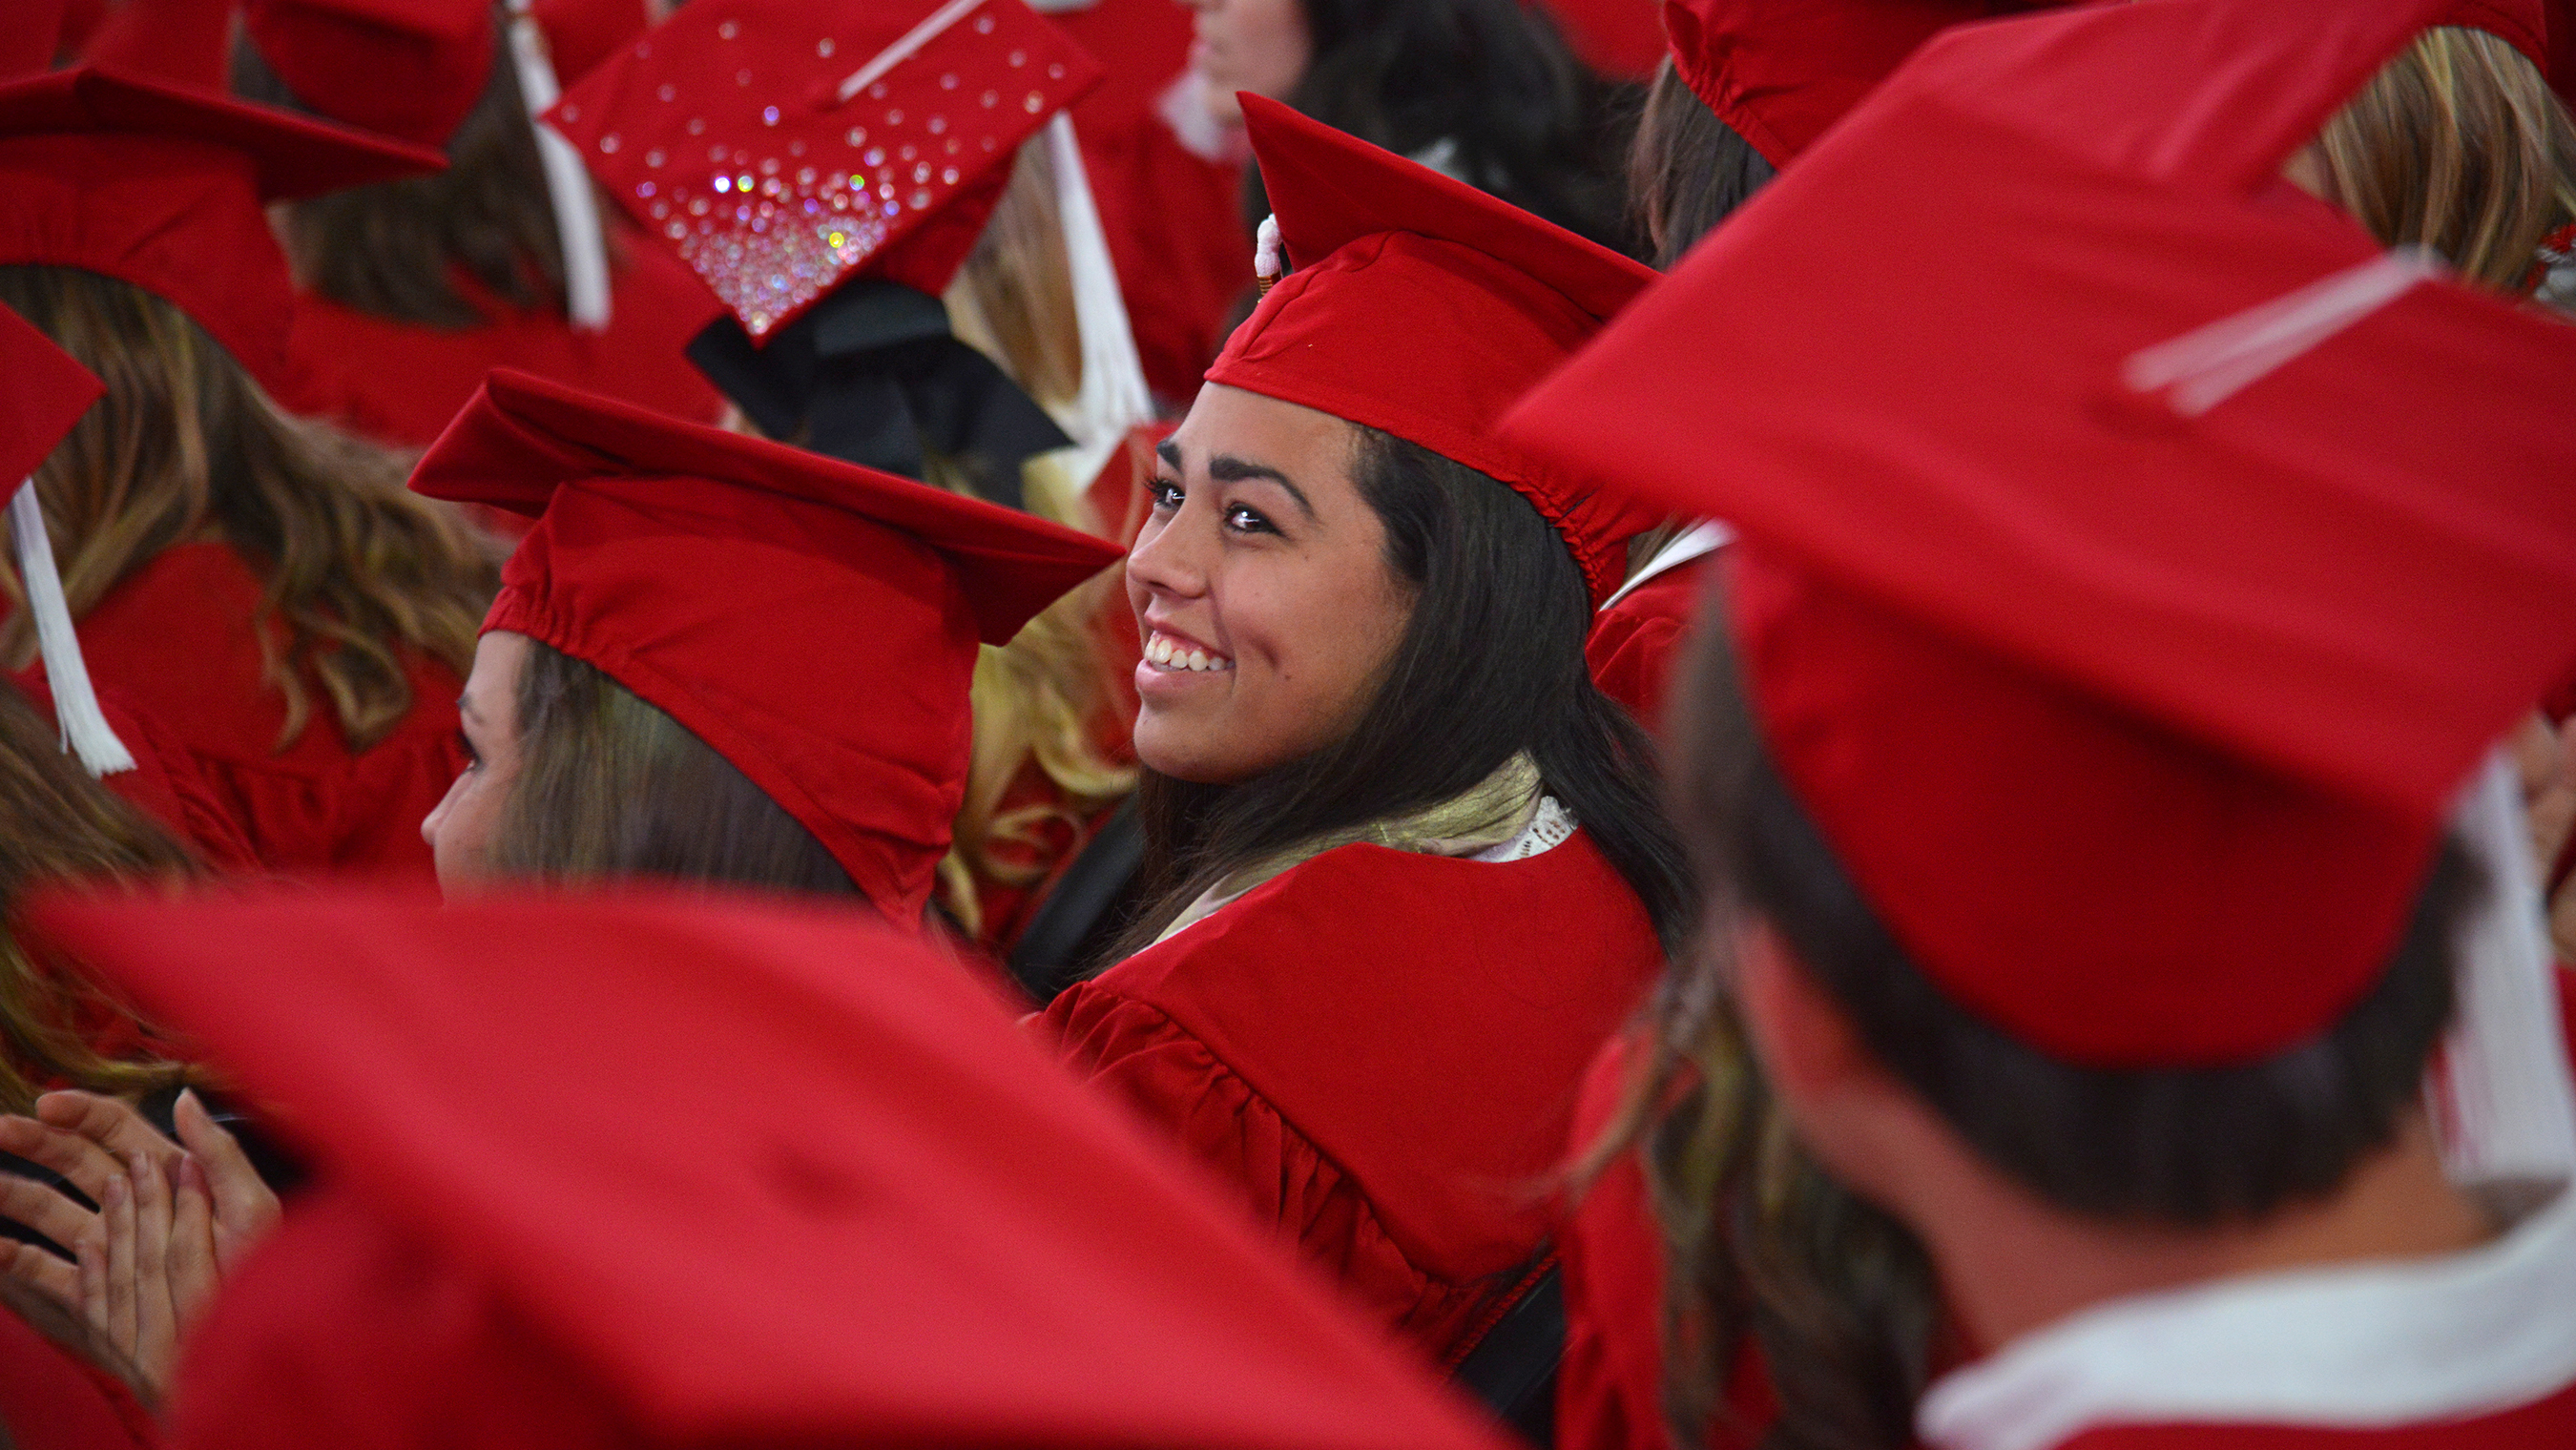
609, 785
1038, 701
395, 249
58, 825
186, 447
2459, 146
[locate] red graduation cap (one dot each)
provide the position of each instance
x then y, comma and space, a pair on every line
582, 33
782, 146
813, 621
47, 393
1423, 307
186, 42
407, 68
161, 186
652, 1171
2126, 609
1778, 72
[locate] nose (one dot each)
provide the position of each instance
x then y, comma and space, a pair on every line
1164, 561
438, 813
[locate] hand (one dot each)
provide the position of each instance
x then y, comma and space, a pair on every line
92, 1141
147, 1268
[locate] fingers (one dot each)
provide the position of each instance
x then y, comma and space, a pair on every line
87, 1165
191, 1257
245, 1208
43, 1208
44, 1273
107, 1267
83, 1136
156, 1318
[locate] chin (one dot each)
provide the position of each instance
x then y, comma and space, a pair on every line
1159, 752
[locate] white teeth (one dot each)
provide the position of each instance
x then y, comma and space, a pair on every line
1163, 652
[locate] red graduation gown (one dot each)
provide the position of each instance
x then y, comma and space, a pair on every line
400, 382
1636, 641
175, 639
50, 1401
1379, 1050
168, 783
1610, 1385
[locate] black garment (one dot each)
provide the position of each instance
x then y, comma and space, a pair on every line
873, 375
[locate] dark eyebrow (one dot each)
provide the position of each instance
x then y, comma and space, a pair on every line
1226, 468
1169, 452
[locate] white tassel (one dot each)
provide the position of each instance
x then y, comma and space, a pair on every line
910, 41
85, 729
2502, 1097
577, 225
1114, 396
1268, 265
2209, 365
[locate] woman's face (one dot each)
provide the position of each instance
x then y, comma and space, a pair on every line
460, 831
1261, 46
1261, 589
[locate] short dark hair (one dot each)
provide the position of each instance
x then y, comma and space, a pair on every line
1531, 123
388, 250
1451, 709
1687, 170
2191, 1147
611, 786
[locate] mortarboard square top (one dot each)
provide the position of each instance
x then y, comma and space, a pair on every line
812, 621
657, 1170
47, 393
162, 187
407, 68
783, 146
2127, 607
1779, 72
1423, 307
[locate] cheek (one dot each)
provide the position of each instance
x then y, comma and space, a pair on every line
462, 828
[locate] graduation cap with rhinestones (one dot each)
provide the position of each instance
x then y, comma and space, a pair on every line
781, 147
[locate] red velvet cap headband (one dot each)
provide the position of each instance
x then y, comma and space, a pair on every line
814, 622
162, 187
783, 146
1423, 307
407, 68
2130, 644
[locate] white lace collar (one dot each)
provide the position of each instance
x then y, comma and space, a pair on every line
2369, 1347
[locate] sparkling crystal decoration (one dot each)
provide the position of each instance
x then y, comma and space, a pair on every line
727, 135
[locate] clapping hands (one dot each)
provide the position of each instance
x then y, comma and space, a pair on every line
172, 1221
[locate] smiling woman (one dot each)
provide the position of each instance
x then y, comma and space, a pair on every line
1404, 879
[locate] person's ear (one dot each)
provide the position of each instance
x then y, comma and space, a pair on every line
1807, 1046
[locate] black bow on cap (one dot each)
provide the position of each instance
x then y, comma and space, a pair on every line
873, 375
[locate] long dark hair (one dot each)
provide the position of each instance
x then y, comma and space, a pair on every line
1491, 665
390, 250
1531, 123
1687, 170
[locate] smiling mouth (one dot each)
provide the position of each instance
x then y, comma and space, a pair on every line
1166, 653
